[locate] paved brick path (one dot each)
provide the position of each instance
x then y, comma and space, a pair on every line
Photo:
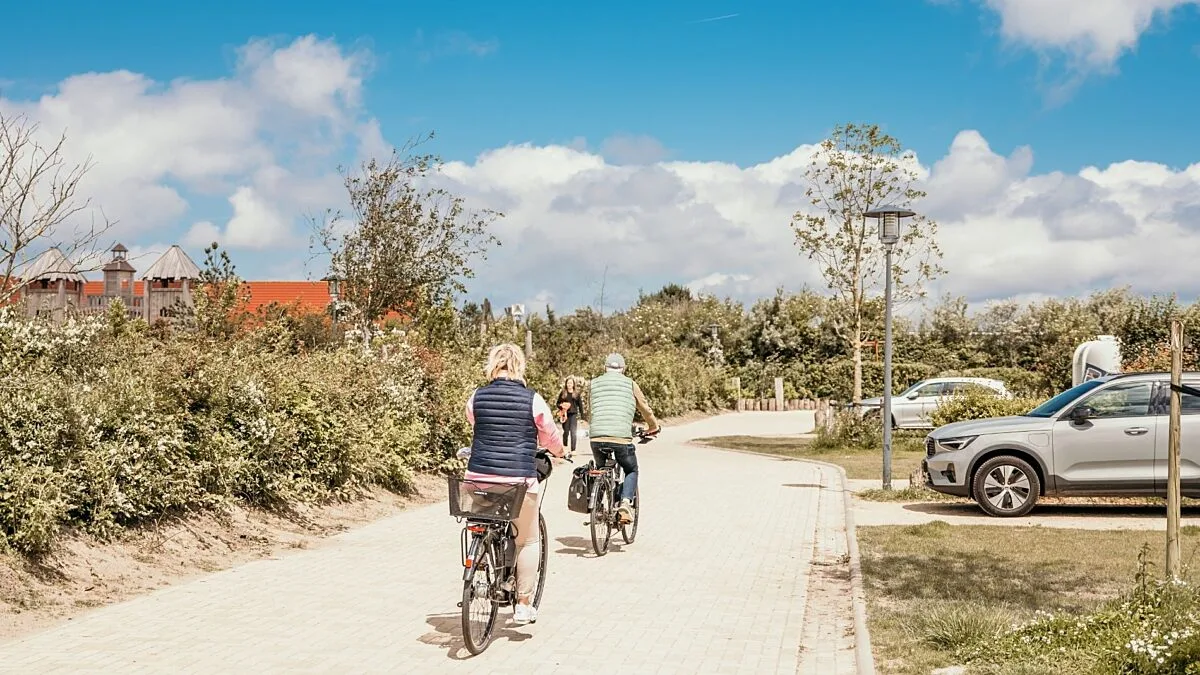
716, 583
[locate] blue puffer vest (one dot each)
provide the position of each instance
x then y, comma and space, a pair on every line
505, 441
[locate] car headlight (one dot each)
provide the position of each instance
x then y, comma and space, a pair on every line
956, 443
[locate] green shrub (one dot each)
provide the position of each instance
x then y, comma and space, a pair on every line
105, 426
676, 380
850, 430
835, 379
976, 403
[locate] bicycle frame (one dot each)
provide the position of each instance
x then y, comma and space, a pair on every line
608, 477
486, 536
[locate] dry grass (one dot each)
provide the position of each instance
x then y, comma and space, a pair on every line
927, 583
859, 463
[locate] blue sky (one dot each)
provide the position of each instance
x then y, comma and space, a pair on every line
743, 89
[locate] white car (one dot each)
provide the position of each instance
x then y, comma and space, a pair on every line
912, 407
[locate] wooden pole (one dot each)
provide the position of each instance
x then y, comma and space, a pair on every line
1173, 489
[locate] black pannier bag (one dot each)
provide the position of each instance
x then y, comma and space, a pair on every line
580, 489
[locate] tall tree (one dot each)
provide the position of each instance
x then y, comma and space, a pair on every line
858, 168
40, 204
407, 245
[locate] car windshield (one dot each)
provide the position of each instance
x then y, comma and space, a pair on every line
1053, 406
913, 388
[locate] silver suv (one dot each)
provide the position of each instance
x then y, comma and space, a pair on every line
1105, 437
912, 407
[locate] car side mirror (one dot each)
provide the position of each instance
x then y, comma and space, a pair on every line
1081, 414
913, 396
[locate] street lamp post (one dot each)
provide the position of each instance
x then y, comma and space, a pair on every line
888, 218
334, 284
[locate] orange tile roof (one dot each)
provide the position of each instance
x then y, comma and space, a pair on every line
306, 294
97, 288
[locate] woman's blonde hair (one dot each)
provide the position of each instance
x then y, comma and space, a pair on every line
506, 360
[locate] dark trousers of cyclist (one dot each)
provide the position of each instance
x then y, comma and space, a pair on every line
627, 459
570, 426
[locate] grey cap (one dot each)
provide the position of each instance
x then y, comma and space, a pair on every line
615, 361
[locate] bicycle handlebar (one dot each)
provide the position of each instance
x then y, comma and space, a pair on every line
644, 436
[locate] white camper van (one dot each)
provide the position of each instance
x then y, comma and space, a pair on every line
1096, 358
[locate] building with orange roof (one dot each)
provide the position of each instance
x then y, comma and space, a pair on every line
52, 287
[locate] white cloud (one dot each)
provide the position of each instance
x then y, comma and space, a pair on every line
310, 75
1005, 231
1093, 34
256, 224
704, 285
163, 152
242, 159
201, 235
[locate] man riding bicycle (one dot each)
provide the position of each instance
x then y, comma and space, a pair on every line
615, 398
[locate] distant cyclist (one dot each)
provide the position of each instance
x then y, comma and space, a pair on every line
614, 399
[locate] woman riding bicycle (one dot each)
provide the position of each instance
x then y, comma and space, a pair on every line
510, 422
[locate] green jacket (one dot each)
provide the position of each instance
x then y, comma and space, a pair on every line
614, 400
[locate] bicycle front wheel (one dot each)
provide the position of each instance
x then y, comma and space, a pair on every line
541, 584
479, 604
629, 530
601, 518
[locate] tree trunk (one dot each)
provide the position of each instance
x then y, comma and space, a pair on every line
856, 347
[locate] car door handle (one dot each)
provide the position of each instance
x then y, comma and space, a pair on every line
1136, 431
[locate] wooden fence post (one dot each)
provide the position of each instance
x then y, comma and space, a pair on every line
1173, 487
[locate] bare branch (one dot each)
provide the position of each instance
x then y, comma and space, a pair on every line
38, 199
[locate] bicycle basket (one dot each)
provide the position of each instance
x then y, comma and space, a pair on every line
485, 500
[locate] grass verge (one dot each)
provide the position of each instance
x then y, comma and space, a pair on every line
859, 463
935, 589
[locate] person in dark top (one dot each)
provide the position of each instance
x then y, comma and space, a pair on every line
569, 406
509, 423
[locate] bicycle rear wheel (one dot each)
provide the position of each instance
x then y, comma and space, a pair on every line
479, 605
629, 530
541, 584
601, 517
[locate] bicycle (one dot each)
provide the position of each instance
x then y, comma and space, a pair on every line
603, 519
488, 546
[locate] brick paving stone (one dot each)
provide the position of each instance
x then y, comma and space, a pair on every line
718, 581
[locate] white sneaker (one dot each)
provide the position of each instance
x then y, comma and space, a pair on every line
625, 511
525, 614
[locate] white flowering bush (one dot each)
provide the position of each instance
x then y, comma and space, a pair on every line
677, 380
1154, 630
104, 426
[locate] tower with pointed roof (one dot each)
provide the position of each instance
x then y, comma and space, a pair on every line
168, 283
52, 285
118, 278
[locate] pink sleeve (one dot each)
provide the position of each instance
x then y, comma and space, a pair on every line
471, 409
549, 436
